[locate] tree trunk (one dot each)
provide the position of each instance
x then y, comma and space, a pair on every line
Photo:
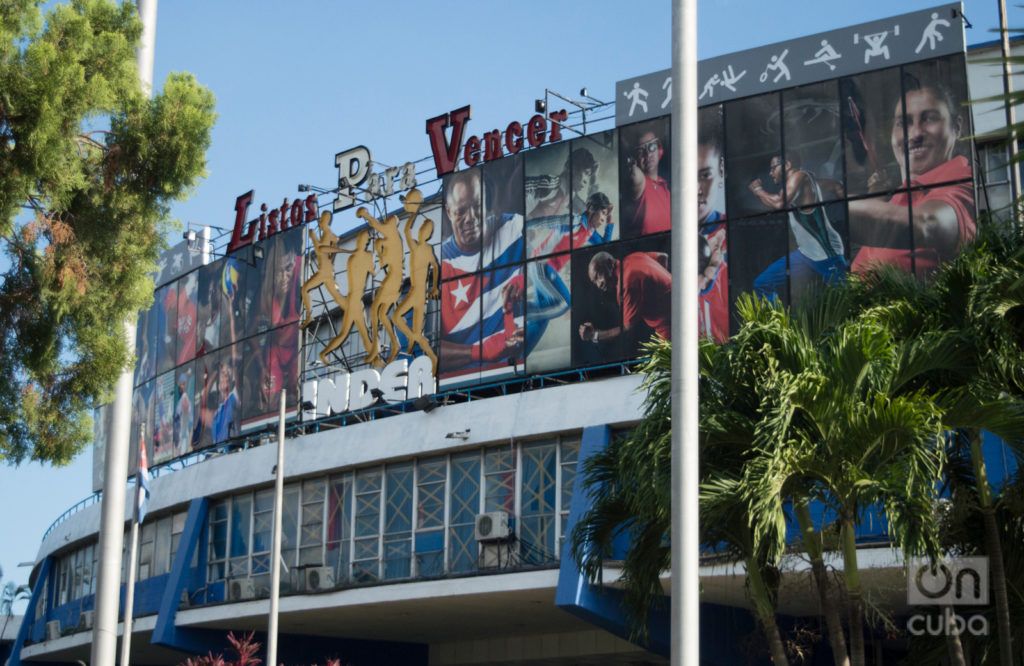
953, 643
853, 589
833, 623
766, 613
994, 550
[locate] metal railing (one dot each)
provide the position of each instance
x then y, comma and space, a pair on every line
518, 384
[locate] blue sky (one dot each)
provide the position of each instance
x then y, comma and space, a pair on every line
300, 81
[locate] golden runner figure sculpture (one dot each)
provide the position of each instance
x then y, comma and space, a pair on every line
423, 268
324, 248
391, 254
359, 267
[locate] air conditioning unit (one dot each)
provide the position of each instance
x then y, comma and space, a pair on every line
492, 526
317, 579
53, 630
495, 555
85, 619
241, 589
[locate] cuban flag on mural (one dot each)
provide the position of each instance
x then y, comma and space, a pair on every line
141, 484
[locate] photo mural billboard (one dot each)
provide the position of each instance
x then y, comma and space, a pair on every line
216, 348
537, 250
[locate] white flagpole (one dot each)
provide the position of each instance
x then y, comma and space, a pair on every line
275, 549
129, 589
1011, 111
108, 579
685, 617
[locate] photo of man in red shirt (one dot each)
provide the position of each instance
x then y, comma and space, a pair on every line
644, 186
929, 129
645, 295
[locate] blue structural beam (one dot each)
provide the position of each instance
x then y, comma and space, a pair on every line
28, 620
166, 633
602, 607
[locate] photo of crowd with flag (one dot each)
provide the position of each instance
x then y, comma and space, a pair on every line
216, 348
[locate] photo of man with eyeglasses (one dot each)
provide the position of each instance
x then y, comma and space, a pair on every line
644, 177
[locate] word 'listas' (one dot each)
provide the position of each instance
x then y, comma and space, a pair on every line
270, 220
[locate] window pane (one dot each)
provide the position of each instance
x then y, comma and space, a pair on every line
338, 522
398, 518
537, 513
240, 516
430, 509
499, 479
162, 550
290, 525
464, 505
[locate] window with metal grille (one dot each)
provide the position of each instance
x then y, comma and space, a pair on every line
431, 475
218, 541
538, 493
311, 536
464, 501
398, 521
366, 536
339, 521
568, 454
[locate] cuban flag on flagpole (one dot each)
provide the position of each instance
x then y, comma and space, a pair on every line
141, 484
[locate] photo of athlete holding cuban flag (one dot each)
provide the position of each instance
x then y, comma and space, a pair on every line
489, 316
481, 311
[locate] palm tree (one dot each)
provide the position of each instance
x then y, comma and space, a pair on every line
632, 480
845, 424
10, 594
731, 403
978, 296
848, 402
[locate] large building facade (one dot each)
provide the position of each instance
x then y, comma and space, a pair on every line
453, 358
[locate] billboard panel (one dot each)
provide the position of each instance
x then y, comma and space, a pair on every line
816, 157
548, 334
596, 308
548, 188
911, 37
595, 189
188, 317
645, 178
462, 224
460, 349
503, 212
645, 291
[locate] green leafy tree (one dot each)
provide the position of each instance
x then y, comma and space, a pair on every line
88, 169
